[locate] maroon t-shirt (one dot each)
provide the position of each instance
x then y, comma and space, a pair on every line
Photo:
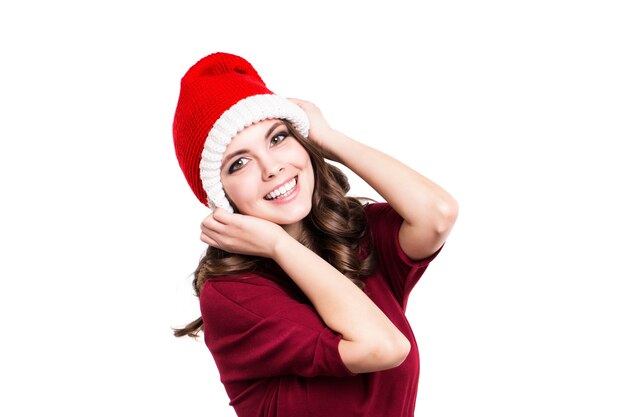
276, 357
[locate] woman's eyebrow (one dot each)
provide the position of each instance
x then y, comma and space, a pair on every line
269, 132
242, 151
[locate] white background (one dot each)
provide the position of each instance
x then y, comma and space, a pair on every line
517, 108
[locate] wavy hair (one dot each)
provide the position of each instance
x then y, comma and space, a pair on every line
334, 229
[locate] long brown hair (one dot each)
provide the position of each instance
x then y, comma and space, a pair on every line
334, 229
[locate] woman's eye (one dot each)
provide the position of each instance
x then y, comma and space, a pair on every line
279, 138
238, 164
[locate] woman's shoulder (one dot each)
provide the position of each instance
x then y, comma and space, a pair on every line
381, 212
240, 283
246, 297
376, 208
248, 287
244, 291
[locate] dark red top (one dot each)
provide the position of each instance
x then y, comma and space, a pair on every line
276, 357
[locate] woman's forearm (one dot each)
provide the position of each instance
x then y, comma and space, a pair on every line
412, 195
371, 342
429, 212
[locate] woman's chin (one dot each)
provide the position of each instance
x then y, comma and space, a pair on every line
286, 216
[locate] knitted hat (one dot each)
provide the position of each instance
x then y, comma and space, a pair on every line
220, 96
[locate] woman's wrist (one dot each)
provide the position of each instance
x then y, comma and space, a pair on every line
282, 246
334, 143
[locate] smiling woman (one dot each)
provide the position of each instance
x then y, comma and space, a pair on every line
290, 332
268, 174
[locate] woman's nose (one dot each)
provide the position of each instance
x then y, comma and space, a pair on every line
271, 169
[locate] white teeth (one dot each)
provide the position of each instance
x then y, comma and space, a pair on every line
283, 189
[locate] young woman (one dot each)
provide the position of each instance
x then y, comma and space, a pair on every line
302, 290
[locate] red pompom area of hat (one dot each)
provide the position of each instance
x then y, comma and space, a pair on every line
209, 88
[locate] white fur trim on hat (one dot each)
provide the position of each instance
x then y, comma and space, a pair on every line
241, 115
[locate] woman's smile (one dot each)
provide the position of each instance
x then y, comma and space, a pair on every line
283, 191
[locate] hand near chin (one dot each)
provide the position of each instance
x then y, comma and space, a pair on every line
238, 233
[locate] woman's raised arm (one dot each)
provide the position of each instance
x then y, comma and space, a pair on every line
429, 212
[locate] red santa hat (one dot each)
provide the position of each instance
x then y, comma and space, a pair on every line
220, 96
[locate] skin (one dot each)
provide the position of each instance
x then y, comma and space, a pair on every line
370, 342
259, 160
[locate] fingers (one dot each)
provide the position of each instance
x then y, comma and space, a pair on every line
209, 241
214, 220
207, 231
214, 227
222, 216
210, 227
302, 103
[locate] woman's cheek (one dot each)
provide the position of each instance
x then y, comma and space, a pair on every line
240, 190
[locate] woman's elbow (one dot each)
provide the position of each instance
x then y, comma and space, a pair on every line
398, 352
374, 355
390, 353
448, 213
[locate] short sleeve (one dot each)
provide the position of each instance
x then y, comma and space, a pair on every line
255, 329
401, 272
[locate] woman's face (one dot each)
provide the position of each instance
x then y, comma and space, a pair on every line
266, 173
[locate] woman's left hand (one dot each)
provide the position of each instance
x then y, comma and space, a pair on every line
319, 129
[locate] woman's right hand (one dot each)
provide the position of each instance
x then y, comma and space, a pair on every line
238, 233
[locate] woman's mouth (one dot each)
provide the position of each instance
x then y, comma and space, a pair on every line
283, 191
